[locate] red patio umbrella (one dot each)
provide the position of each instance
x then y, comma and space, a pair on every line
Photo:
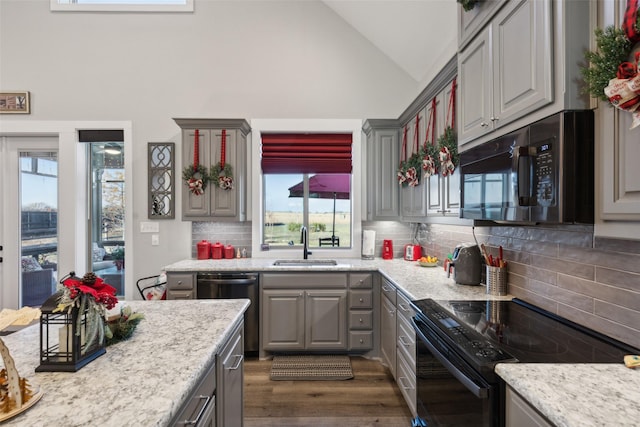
326, 186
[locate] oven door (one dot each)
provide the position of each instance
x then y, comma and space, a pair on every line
449, 391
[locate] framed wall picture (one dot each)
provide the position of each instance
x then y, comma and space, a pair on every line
14, 103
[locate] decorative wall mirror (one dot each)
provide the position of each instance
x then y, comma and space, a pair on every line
161, 180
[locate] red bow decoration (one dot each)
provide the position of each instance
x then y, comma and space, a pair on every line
624, 91
101, 292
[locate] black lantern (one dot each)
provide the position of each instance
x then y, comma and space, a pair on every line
72, 336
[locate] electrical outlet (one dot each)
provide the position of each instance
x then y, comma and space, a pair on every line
155, 239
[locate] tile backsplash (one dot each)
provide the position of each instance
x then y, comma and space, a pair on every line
592, 281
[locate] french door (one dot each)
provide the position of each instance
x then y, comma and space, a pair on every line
28, 229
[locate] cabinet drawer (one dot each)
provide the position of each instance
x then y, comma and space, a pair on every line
187, 294
361, 320
405, 310
304, 280
406, 340
360, 299
201, 402
360, 340
361, 281
407, 383
389, 290
180, 281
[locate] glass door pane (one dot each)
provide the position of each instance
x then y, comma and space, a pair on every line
38, 196
107, 209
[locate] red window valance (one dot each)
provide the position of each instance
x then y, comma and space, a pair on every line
306, 153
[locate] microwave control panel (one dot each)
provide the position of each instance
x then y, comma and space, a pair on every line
544, 174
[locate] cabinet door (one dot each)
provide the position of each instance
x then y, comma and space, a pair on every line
230, 382
475, 70
224, 203
196, 205
388, 334
518, 412
282, 320
522, 57
471, 21
414, 199
326, 320
383, 191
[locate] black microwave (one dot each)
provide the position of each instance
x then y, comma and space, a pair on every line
541, 173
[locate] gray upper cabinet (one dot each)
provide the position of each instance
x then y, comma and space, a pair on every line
382, 159
414, 199
216, 203
506, 71
470, 22
617, 154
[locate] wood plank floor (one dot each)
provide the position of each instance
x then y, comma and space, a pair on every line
371, 398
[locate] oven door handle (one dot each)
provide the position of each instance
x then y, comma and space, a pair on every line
478, 391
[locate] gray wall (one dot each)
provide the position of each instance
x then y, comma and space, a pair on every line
242, 59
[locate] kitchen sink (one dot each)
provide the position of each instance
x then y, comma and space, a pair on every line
304, 262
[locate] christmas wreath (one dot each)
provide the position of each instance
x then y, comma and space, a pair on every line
613, 73
224, 175
467, 5
196, 178
429, 152
448, 151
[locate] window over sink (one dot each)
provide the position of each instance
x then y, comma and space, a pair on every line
312, 183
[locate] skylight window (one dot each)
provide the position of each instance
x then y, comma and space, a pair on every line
122, 5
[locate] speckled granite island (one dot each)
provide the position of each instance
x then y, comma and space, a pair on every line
139, 382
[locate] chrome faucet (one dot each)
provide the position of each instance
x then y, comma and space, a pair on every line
304, 239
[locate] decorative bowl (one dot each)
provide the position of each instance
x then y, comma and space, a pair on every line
427, 264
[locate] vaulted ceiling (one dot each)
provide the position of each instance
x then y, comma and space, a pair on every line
418, 35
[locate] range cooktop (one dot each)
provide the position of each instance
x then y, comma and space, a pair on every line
491, 331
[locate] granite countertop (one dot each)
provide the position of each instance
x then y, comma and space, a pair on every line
569, 395
572, 395
415, 281
142, 381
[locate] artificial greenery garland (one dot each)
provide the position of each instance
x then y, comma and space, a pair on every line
467, 5
613, 48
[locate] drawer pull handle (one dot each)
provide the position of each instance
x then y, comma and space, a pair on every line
200, 413
402, 380
403, 341
240, 358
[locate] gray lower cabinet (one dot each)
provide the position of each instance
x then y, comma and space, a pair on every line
230, 373
304, 312
218, 397
406, 352
181, 286
361, 313
519, 413
200, 407
388, 325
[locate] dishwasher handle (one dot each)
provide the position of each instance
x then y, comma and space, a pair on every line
247, 281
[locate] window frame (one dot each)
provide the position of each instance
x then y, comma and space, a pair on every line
353, 126
69, 6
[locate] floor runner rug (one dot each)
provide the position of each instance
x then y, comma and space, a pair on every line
311, 368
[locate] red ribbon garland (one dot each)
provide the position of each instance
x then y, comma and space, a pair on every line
196, 151
223, 148
452, 105
403, 152
431, 125
417, 149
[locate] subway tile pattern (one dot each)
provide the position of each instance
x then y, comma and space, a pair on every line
236, 234
564, 269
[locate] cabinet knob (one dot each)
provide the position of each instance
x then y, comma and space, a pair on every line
361, 300
494, 119
361, 341
360, 320
484, 124
179, 282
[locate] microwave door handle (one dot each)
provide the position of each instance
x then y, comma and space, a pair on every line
524, 181
478, 391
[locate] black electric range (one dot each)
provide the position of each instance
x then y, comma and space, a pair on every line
460, 342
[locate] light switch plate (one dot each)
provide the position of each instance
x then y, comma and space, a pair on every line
149, 227
155, 240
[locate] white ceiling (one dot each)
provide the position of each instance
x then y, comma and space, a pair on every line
417, 35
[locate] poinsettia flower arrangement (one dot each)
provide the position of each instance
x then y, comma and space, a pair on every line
90, 295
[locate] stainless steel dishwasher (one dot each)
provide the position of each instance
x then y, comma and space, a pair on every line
235, 285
